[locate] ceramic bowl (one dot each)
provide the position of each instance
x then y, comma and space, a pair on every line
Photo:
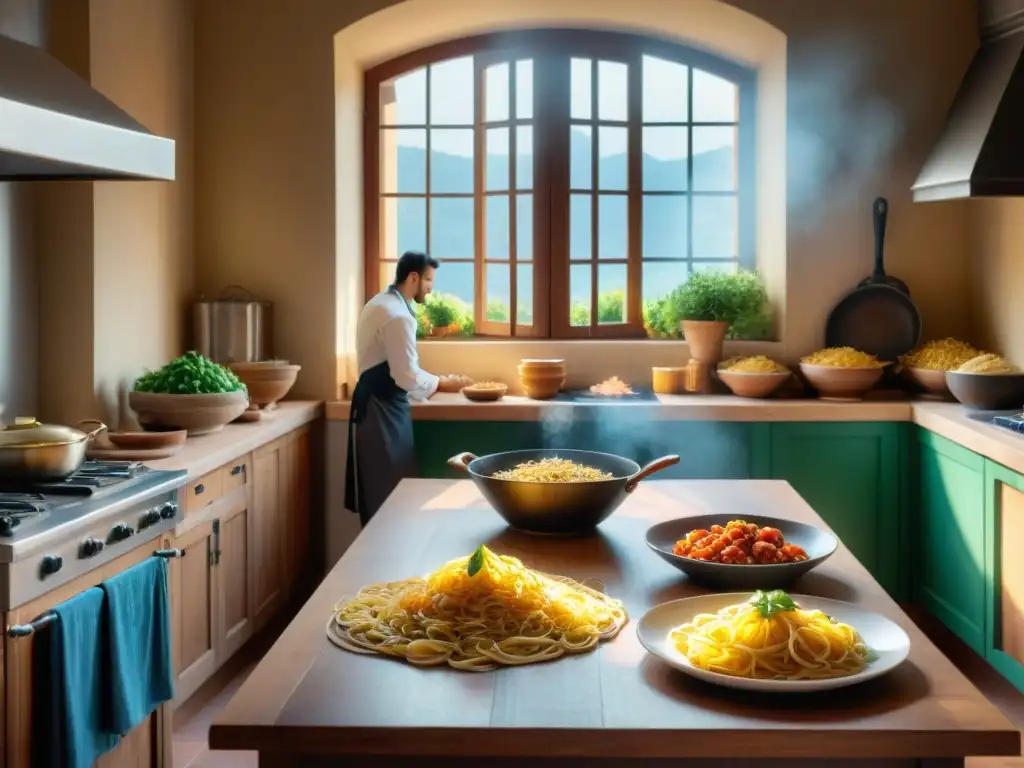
267, 382
753, 384
987, 391
930, 381
199, 414
843, 384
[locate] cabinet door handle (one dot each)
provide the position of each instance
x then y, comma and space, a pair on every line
200, 488
216, 541
238, 469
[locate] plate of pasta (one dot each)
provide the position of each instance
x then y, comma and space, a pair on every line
741, 552
773, 641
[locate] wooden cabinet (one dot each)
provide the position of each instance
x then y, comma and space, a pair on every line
947, 542
193, 605
1004, 571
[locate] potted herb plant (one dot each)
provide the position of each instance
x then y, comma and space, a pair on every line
440, 313
708, 303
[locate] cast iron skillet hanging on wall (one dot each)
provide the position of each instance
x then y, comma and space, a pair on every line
878, 316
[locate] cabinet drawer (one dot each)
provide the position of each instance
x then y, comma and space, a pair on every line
204, 491
236, 474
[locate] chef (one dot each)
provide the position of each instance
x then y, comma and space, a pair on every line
380, 445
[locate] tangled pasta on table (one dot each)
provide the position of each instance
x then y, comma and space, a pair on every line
477, 613
771, 637
738, 543
613, 387
552, 470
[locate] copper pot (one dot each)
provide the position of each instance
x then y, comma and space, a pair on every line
31, 452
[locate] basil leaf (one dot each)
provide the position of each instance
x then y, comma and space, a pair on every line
476, 562
770, 603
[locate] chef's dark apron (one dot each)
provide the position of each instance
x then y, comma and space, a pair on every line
380, 442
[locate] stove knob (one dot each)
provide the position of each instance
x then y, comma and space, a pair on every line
91, 546
120, 532
50, 565
168, 510
150, 517
8, 524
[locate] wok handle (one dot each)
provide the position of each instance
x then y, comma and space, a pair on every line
881, 215
461, 461
100, 427
649, 469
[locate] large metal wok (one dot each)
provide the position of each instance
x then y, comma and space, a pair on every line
556, 508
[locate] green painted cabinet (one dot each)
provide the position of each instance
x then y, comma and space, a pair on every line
1004, 571
947, 544
851, 474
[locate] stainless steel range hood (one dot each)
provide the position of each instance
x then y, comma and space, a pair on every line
981, 150
55, 126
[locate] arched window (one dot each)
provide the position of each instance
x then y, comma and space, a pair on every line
567, 180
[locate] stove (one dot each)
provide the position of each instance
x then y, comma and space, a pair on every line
52, 532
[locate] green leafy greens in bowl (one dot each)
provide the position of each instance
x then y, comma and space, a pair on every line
190, 374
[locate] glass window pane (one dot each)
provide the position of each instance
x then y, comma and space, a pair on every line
403, 166
580, 158
451, 227
580, 107
714, 159
580, 215
664, 161
456, 280
715, 99
524, 89
403, 225
496, 172
612, 154
664, 227
403, 100
579, 294
497, 226
524, 294
451, 92
524, 227
611, 296
451, 160
612, 227
499, 293
496, 93
714, 227
524, 157
711, 266
665, 91
660, 278
612, 88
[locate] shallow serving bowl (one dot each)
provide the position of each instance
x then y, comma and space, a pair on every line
843, 384
199, 414
484, 394
987, 391
818, 544
753, 384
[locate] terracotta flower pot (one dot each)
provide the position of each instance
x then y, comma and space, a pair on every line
439, 333
705, 338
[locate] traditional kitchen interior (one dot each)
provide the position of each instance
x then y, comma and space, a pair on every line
257, 172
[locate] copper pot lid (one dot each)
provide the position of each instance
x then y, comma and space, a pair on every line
27, 432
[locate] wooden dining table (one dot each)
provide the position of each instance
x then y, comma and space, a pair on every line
310, 703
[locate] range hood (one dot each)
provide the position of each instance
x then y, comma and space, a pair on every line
55, 126
979, 153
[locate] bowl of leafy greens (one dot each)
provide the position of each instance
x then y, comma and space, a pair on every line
191, 392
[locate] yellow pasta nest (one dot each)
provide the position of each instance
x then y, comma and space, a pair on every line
940, 355
843, 357
552, 470
753, 364
487, 385
989, 364
477, 613
772, 638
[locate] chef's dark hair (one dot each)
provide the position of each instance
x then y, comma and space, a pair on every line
413, 261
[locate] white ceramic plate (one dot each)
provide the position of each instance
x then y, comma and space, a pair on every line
883, 636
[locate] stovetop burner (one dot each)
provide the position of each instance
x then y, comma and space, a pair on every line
90, 478
16, 507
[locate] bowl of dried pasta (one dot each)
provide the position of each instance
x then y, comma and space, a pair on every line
485, 391
926, 366
844, 374
987, 382
756, 376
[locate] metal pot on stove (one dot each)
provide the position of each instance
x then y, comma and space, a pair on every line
31, 452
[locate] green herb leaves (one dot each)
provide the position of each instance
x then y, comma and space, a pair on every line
476, 562
770, 603
190, 374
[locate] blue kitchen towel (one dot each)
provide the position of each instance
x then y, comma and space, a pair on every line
1015, 422
69, 700
141, 670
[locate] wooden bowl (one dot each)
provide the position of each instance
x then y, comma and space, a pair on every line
484, 394
753, 384
267, 382
987, 391
148, 441
199, 414
932, 382
841, 384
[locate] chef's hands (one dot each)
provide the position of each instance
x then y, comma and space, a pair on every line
453, 383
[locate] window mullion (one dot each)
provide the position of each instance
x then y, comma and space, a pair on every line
634, 185
552, 123
479, 158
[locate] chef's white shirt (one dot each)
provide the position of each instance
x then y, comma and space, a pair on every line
386, 331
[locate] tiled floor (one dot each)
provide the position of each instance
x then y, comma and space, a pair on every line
192, 727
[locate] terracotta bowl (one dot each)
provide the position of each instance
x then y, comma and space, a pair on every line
267, 382
753, 384
931, 381
147, 441
542, 384
199, 414
484, 394
843, 384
